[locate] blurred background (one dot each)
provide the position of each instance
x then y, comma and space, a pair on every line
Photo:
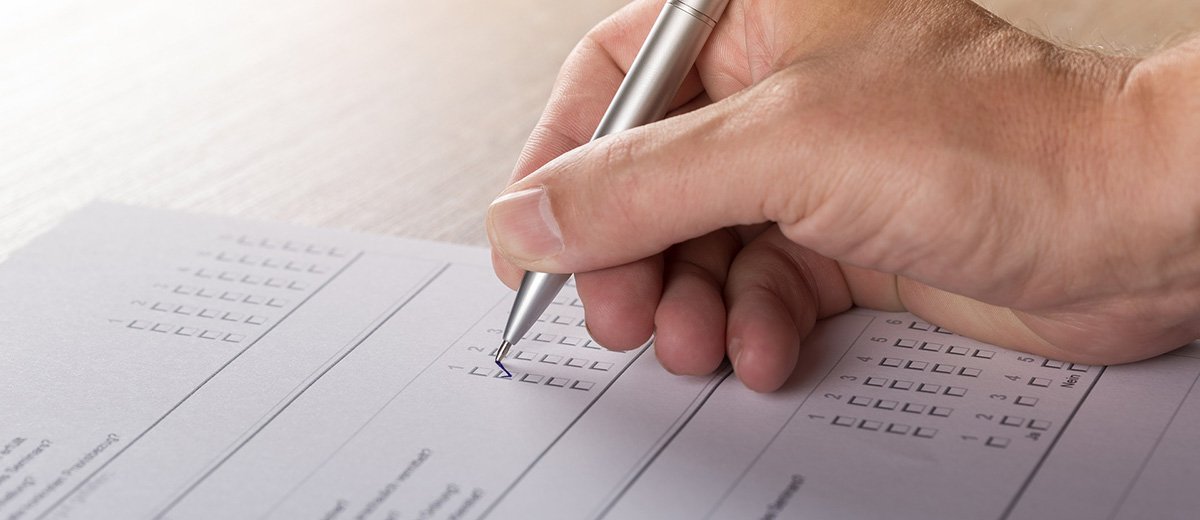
397, 116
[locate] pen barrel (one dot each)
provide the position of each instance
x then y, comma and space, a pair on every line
537, 292
666, 57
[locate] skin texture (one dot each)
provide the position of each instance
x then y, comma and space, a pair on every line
918, 155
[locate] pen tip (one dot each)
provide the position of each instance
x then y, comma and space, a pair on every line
505, 346
507, 374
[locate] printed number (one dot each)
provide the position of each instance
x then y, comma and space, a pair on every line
864, 359
475, 349
495, 331
879, 340
813, 416
833, 396
1025, 359
1013, 378
895, 322
849, 378
999, 397
983, 416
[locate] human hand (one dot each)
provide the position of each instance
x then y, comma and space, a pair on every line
916, 155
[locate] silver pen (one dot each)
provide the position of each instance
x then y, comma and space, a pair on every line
644, 96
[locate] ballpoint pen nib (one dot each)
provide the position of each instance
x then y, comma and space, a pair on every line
500, 353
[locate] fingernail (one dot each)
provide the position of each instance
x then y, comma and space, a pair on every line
734, 350
523, 225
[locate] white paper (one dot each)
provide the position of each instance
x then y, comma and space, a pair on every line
165, 365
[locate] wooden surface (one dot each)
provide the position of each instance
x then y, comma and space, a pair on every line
399, 117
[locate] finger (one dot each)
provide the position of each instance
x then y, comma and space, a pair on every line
634, 194
776, 291
690, 321
619, 302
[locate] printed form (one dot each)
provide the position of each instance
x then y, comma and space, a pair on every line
155, 364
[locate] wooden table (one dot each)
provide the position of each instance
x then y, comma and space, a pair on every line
399, 117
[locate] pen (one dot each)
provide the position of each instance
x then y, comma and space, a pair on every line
644, 96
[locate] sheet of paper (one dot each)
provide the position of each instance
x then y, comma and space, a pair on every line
164, 365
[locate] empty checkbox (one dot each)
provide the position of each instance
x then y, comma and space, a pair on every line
970, 372
956, 391
898, 428
913, 408
944, 369
885, 404
481, 371
228, 276
1075, 367
275, 282
1050, 363
1038, 424
1009, 420
929, 388
162, 327
875, 381
186, 331
252, 280
867, 424
526, 355
186, 310
957, 350
532, 378
925, 433
232, 296
210, 334
551, 359
185, 289
998, 442
583, 385
602, 366
916, 365
255, 300
891, 362
563, 320
570, 341
162, 307
576, 302
907, 343
559, 382
1025, 400
577, 362
233, 316
940, 411
932, 347
920, 325
859, 400
984, 354
592, 345
842, 420
545, 338
233, 338
210, 313
256, 320
1040, 382
298, 286
902, 385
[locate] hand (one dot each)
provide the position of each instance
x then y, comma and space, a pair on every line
916, 155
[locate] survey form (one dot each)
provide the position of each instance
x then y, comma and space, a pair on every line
157, 364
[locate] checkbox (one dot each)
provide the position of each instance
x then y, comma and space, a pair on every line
275, 282
255, 300
186, 331
316, 249
210, 334
956, 391
298, 286
526, 355
576, 302
998, 442
227, 276
481, 371
234, 338
932, 347
940, 411
162, 327
186, 310
1042, 382
901, 429
970, 372
545, 338
957, 350
885, 404
867, 424
577, 362
563, 320
249, 259
252, 280
318, 269
276, 302
570, 341
602, 366
162, 307
929, 388
296, 266
913, 408
210, 313
944, 369
582, 323
1050, 363
920, 325
272, 263
225, 257
551, 359
900, 384
542, 319
592, 345
293, 246
139, 324
559, 382
842, 420
532, 378
925, 433
1075, 367
506, 377
1009, 420
560, 300
582, 385
916, 365
875, 381
1038, 424
185, 289
907, 343
256, 320
233, 316
232, 296
891, 362
984, 354
1025, 400
204, 273
859, 400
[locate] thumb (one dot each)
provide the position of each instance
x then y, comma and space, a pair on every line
631, 195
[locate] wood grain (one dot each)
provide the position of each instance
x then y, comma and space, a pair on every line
397, 117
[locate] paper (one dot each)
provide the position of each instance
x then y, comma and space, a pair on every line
164, 365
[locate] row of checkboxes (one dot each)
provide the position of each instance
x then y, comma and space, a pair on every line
1033, 424
1074, 367
923, 432
553, 359
250, 279
927, 327
288, 245
188, 310
271, 263
888, 404
167, 328
536, 379
941, 368
938, 347
230, 296
927, 388
570, 341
